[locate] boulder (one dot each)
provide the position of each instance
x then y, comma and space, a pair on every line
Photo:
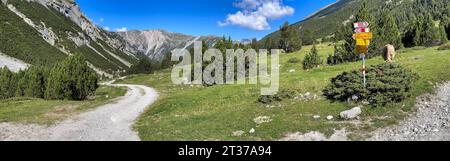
351, 114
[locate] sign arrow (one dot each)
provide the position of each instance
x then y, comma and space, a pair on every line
361, 24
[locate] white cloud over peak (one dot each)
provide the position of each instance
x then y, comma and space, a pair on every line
255, 14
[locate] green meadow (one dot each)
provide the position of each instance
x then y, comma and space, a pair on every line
185, 112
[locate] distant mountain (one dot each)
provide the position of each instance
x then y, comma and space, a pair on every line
156, 43
43, 32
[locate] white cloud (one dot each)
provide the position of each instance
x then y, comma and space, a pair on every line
275, 10
256, 13
247, 4
107, 28
123, 29
249, 20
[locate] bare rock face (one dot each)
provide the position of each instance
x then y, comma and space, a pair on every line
71, 10
155, 43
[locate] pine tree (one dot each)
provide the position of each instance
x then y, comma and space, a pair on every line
290, 38
71, 79
308, 37
294, 38
443, 34
389, 32
270, 44
35, 86
8, 84
312, 59
167, 61
418, 30
430, 33
22, 83
254, 44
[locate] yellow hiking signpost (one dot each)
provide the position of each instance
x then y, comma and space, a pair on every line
362, 36
362, 42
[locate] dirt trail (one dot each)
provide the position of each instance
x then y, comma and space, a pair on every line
110, 122
430, 123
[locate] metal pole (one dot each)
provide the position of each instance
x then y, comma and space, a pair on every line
364, 68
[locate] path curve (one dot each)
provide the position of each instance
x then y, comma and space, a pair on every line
431, 122
110, 122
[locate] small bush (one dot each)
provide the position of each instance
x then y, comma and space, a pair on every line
294, 60
386, 83
284, 94
444, 47
312, 60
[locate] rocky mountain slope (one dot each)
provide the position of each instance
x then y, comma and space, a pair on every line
155, 44
43, 32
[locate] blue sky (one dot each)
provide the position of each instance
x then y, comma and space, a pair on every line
236, 18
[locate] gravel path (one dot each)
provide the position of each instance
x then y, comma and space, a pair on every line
111, 122
430, 123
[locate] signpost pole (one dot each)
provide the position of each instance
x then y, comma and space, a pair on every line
364, 69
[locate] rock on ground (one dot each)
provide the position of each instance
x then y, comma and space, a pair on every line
430, 123
351, 114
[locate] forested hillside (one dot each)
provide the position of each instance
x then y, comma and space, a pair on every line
45, 32
324, 24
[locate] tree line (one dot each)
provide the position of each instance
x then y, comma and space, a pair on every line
70, 79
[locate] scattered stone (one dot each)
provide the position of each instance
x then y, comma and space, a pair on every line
307, 97
262, 119
252, 131
307, 94
329, 118
238, 133
292, 71
339, 135
316, 117
351, 114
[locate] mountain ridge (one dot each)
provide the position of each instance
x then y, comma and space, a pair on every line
65, 31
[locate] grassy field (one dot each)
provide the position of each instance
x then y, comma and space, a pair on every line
32, 110
214, 113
